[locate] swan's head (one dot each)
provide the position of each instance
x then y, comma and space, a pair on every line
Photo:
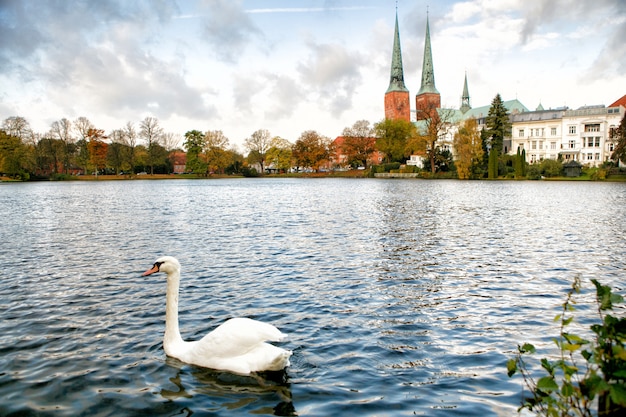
167, 264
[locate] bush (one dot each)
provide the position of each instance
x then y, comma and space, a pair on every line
249, 172
551, 168
534, 172
570, 389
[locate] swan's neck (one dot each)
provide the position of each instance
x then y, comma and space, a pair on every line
172, 333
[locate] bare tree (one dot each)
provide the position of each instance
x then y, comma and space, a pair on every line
62, 130
171, 141
152, 133
82, 125
258, 144
130, 138
18, 127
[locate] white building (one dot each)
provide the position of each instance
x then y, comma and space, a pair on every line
584, 135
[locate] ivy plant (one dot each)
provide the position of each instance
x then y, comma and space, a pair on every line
588, 376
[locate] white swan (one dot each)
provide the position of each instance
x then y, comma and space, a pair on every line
238, 345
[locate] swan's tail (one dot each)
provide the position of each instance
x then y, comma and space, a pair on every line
281, 361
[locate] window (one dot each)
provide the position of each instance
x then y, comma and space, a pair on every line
597, 157
597, 141
534, 145
589, 156
553, 131
572, 143
572, 130
594, 127
521, 133
611, 147
553, 145
589, 142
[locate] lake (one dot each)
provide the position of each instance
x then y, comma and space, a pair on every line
400, 297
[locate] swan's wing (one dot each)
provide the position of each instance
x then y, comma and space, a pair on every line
238, 336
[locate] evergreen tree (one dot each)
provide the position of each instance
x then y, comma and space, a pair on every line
493, 164
484, 139
498, 123
524, 164
518, 163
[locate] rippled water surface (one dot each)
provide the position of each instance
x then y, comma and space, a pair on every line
400, 297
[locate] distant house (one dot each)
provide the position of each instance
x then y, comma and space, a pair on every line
179, 161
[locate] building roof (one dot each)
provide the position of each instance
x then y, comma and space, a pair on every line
513, 106
539, 115
396, 80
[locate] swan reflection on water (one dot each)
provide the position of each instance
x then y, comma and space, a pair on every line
230, 391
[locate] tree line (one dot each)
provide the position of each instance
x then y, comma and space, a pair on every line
78, 147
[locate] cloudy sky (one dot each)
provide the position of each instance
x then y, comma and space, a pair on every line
294, 65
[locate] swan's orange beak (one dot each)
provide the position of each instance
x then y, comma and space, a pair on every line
151, 271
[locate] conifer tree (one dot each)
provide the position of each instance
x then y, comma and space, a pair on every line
498, 123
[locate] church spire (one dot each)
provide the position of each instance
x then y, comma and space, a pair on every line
396, 80
397, 100
428, 99
465, 99
428, 72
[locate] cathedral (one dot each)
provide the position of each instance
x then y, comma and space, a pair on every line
397, 99
585, 135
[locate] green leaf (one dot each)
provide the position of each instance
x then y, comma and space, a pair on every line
545, 364
618, 394
527, 348
547, 385
567, 389
511, 367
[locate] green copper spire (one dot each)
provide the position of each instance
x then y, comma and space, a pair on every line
396, 81
428, 73
465, 99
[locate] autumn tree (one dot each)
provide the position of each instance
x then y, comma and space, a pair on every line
97, 149
469, 151
392, 138
433, 126
279, 154
359, 143
619, 133
257, 145
311, 150
152, 133
14, 156
215, 151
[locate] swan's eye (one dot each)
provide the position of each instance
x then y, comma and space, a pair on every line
158, 265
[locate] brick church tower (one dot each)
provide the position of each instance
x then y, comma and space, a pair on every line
397, 99
428, 98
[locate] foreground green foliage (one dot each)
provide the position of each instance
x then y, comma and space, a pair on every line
587, 373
